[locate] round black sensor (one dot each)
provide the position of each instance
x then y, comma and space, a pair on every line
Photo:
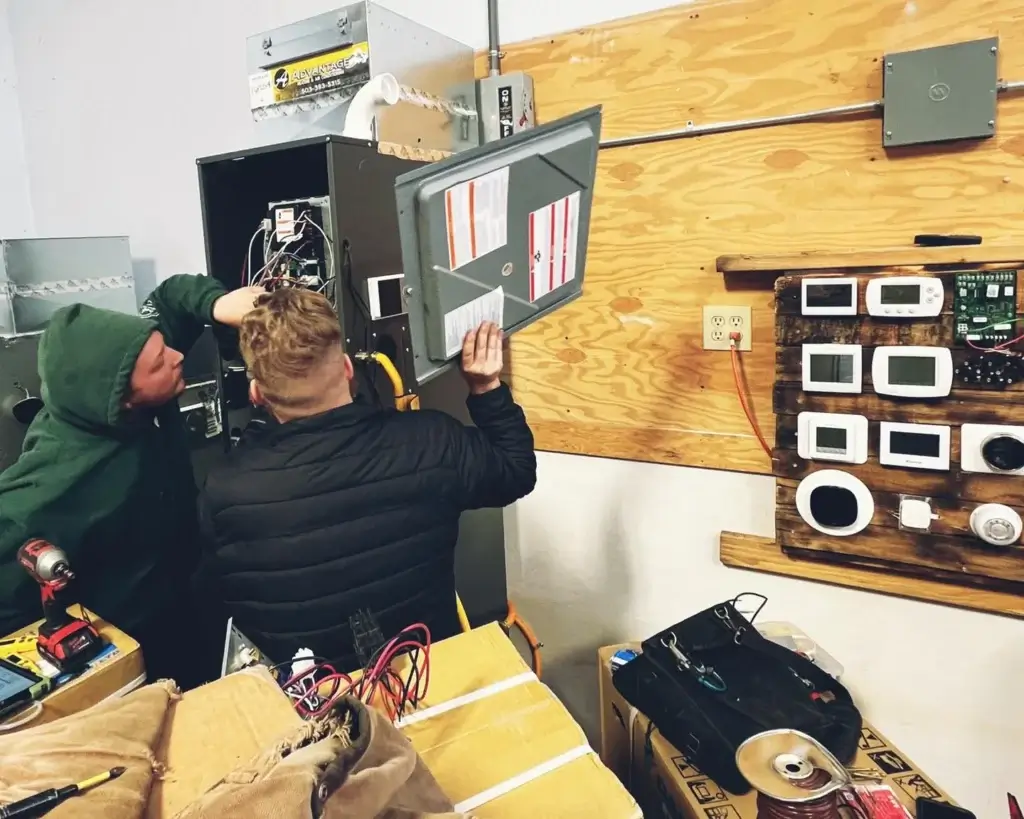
1004, 452
834, 506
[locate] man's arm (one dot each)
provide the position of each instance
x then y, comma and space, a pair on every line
182, 306
495, 461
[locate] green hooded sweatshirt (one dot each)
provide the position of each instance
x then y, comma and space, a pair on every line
113, 488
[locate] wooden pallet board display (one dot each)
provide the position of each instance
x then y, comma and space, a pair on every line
948, 563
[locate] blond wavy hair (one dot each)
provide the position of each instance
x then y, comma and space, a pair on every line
292, 346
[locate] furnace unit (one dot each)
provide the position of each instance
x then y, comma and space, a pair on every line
412, 255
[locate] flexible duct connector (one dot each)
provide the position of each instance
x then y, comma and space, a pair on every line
380, 90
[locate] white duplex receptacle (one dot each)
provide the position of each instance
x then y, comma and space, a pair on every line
720, 321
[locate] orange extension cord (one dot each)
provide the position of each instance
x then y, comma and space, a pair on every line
741, 393
513, 619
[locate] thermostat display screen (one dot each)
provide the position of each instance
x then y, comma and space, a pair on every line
915, 443
829, 295
911, 371
836, 369
900, 294
830, 439
390, 292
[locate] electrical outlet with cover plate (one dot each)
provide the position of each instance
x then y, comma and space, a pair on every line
720, 321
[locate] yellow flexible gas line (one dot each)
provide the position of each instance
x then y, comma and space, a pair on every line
410, 402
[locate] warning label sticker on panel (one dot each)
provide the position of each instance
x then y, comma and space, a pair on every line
554, 238
476, 216
489, 307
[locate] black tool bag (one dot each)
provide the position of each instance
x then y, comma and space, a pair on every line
712, 681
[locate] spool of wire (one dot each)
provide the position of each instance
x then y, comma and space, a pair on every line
795, 776
824, 807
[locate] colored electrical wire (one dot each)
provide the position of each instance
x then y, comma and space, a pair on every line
998, 348
741, 393
315, 689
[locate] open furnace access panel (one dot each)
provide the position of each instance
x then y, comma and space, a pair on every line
412, 254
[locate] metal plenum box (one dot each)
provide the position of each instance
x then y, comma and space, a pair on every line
318, 64
940, 94
39, 276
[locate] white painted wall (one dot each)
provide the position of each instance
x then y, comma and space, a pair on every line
15, 203
602, 551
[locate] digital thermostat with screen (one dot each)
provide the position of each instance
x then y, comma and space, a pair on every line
904, 296
916, 446
912, 372
831, 367
993, 448
828, 297
830, 436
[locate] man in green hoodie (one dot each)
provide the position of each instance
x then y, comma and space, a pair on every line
105, 472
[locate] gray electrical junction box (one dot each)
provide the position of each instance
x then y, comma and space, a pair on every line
940, 94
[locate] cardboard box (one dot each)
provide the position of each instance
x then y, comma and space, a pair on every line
500, 742
212, 730
112, 675
667, 784
496, 738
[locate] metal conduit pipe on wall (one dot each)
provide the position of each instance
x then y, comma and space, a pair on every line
840, 111
493, 40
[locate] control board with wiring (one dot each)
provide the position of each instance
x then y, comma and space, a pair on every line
985, 308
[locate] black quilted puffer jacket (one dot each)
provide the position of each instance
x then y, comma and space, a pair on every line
356, 509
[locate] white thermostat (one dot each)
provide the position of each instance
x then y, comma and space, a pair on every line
828, 297
385, 296
831, 367
992, 448
916, 446
996, 524
829, 436
904, 296
912, 372
835, 502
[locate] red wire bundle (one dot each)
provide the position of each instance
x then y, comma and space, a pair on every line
379, 682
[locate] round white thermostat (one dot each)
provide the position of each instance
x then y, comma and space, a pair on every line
835, 502
996, 524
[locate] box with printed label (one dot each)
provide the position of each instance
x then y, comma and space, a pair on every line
666, 783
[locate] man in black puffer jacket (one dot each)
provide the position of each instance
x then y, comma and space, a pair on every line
341, 507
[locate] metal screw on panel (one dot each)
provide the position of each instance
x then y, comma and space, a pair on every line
408, 291
993, 49
888, 134
267, 42
888, 65
991, 123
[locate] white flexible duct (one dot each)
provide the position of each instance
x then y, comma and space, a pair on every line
380, 90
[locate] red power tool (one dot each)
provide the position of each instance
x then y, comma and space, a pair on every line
67, 642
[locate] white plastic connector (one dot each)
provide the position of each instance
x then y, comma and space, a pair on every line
302, 661
380, 90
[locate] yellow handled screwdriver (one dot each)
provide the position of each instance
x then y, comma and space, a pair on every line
45, 801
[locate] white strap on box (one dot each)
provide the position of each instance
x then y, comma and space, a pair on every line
524, 778
466, 699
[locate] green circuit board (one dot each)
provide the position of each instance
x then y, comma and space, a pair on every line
985, 307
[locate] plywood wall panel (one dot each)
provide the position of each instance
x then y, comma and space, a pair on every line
621, 372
